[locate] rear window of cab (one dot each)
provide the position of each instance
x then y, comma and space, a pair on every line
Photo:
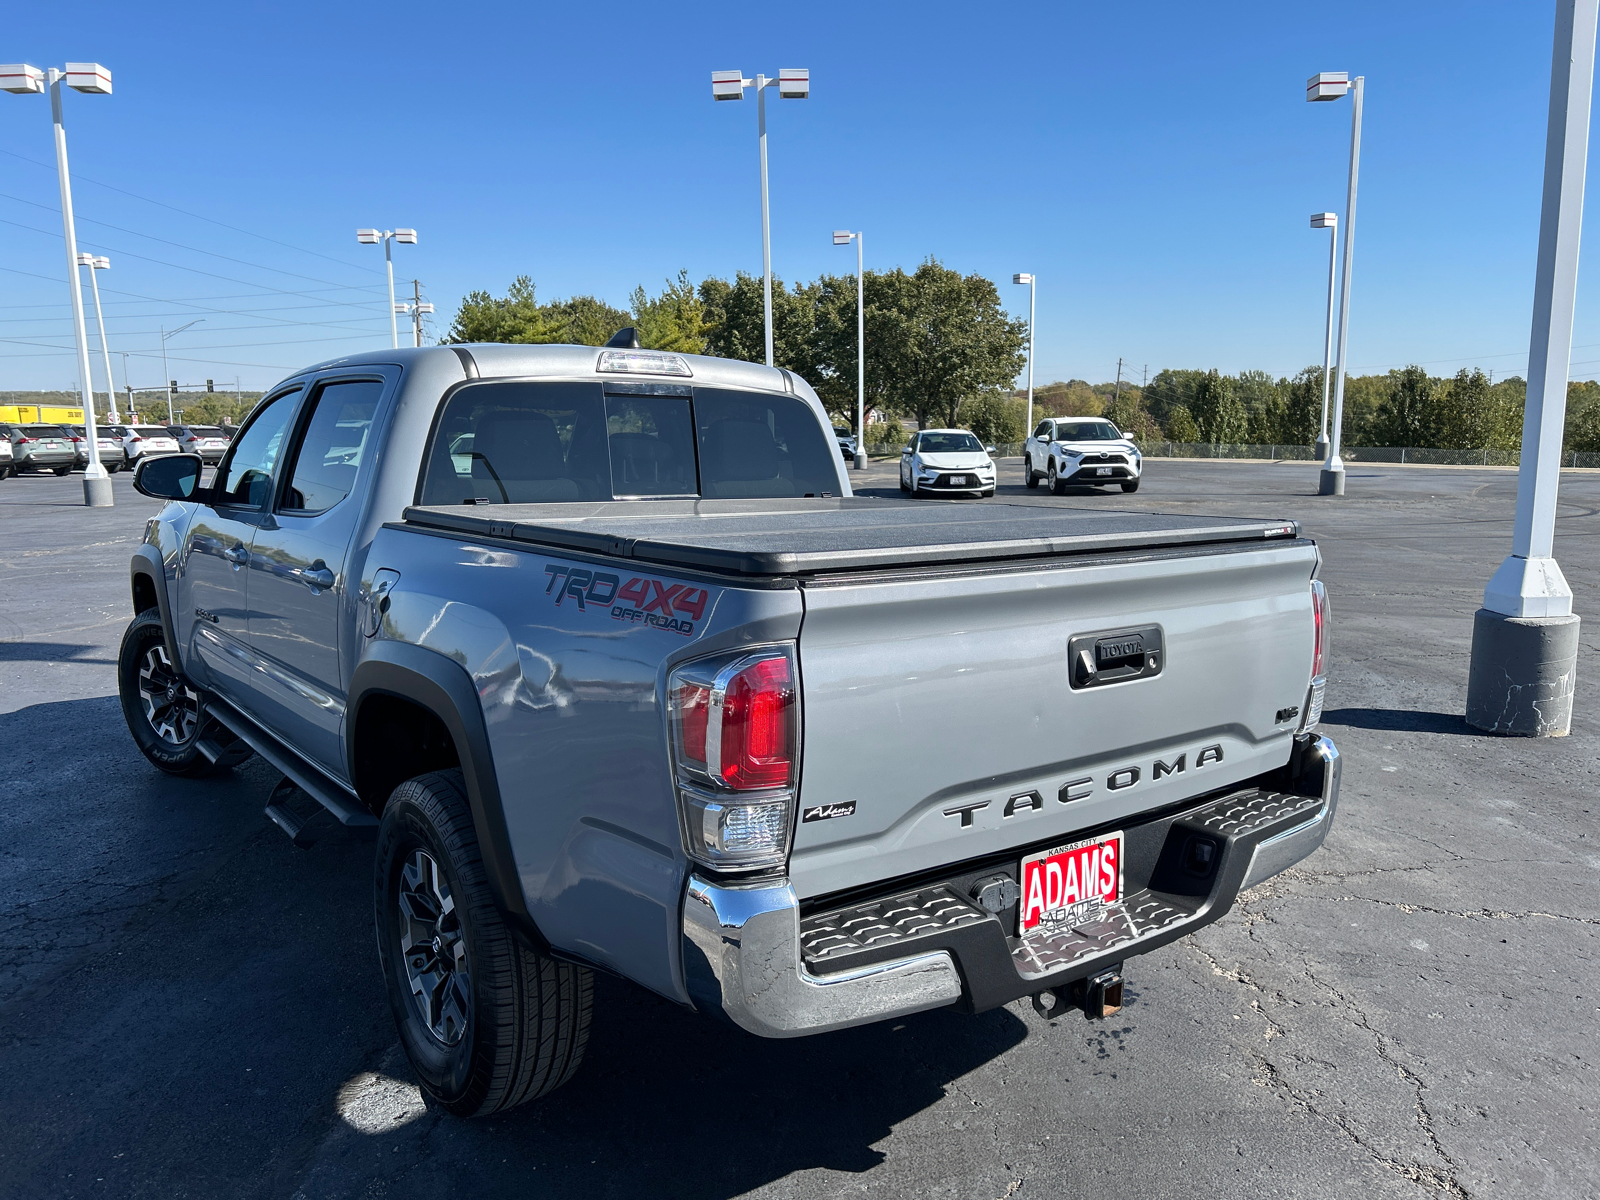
519, 442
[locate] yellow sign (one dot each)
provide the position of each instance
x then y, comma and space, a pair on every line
33, 414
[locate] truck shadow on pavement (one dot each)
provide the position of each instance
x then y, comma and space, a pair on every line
672, 1104
189, 995
1399, 720
51, 652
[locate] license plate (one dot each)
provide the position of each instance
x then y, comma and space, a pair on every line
1102, 470
958, 480
1071, 884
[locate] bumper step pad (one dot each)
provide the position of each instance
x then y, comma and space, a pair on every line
940, 916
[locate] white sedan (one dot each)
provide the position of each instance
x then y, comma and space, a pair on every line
946, 462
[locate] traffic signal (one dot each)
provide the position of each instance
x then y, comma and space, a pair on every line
172, 387
209, 386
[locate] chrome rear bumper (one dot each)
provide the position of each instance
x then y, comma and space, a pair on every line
748, 955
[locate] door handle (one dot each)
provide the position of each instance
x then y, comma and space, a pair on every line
317, 577
238, 555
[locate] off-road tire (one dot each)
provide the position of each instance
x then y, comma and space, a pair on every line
1132, 486
142, 660
526, 1014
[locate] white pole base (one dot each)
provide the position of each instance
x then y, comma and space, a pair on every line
97, 488
1528, 587
1521, 679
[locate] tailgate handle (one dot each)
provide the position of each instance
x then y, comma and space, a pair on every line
1114, 655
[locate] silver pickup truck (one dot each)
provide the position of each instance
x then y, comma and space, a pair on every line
600, 644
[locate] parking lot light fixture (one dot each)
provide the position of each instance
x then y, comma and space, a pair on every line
1331, 85
843, 237
1025, 277
99, 262
91, 78
371, 237
793, 83
1525, 637
1330, 222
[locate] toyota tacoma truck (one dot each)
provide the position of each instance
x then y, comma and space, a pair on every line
600, 645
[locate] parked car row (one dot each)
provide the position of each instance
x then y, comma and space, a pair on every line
1064, 451
61, 448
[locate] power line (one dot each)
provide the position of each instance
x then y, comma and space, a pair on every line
199, 217
180, 245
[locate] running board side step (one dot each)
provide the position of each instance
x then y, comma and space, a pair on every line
334, 797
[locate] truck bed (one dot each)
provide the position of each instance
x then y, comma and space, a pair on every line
797, 537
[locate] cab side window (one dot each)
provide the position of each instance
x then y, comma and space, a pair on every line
1043, 430
333, 445
245, 476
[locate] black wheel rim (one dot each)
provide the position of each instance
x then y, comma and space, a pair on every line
434, 949
170, 705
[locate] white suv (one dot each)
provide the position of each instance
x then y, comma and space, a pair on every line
1080, 450
140, 440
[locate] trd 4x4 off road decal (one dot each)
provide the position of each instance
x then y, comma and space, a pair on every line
641, 599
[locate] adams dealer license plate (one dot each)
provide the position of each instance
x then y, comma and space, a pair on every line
1070, 884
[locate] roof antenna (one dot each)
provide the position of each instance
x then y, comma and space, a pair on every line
626, 338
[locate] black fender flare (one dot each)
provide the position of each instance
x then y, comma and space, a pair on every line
147, 562
442, 686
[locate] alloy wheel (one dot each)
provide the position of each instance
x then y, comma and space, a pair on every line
170, 705
434, 949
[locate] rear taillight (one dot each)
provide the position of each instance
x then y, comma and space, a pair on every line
25, 441
735, 736
1319, 656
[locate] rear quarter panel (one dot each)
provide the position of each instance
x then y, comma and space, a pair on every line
572, 687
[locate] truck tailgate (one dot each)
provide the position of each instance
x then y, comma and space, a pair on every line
939, 703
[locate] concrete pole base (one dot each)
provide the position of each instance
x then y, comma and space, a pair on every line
1522, 674
861, 462
1332, 483
1322, 449
97, 492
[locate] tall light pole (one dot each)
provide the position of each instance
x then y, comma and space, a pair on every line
1330, 85
1024, 277
1525, 637
371, 237
793, 83
843, 237
101, 263
170, 383
1330, 222
90, 79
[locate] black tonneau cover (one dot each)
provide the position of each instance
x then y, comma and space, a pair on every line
790, 537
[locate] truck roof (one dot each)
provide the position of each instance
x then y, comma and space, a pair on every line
792, 537
494, 360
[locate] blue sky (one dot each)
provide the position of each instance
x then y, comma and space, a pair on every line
1154, 164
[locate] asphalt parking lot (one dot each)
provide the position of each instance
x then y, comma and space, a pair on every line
189, 1005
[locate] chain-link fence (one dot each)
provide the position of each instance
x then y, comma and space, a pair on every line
1419, 455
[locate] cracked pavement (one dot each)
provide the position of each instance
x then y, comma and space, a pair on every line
189, 1005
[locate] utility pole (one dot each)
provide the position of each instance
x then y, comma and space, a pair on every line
1117, 394
1146, 380
417, 309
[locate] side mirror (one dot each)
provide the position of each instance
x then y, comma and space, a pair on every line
1132, 437
170, 477
988, 449
1042, 439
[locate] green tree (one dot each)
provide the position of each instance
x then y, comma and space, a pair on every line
995, 415
1127, 412
1180, 425
1217, 411
735, 319
518, 317
674, 320
1473, 416
1171, 389
957, 341
1302, 416
1583, 417
1410, 415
